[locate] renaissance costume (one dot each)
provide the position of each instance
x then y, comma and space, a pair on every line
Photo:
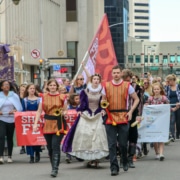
87, 137
54, 127
117, 123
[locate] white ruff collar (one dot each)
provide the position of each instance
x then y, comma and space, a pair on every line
89, 86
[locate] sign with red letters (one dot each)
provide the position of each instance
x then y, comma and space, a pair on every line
24, 122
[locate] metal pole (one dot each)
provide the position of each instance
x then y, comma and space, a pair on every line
131, 55
80, 67
41, 41
144, 61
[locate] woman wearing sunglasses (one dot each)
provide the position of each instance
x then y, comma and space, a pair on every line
147, 88
79, 84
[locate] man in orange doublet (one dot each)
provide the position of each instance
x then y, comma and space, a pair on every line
117, 93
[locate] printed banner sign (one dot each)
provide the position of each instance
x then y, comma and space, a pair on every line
155, 125
6, 64
24, 122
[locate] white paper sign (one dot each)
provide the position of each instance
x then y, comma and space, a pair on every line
155, 125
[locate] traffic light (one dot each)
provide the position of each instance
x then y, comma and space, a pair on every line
41, 63
16, 2
46, 63
36, 76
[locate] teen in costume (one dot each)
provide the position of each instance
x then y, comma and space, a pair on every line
30, 103
54, 126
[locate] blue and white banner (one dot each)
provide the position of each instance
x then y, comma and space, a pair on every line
155, 124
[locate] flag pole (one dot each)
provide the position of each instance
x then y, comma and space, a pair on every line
80, 67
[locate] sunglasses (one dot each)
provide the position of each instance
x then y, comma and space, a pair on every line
81, 79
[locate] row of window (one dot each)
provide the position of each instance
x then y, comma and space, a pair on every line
141, 4
154, 59
141, 30
141, 11
141, 17
142, 37
141, 24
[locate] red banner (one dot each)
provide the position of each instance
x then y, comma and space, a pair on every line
24, 122
101, 51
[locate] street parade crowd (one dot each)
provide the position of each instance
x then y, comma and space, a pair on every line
108, 114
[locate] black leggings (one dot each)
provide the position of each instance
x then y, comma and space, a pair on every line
53, 143
6, 130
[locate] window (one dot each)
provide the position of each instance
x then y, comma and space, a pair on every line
138, 59
142, 37
141, 11
72, 49
71, 10
145, 59
178, 58
130, 59
172, 59
141, 17
141, 30
141, 4
151, 59
141, 24
165, 59
156, 60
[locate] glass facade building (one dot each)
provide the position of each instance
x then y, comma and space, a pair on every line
117, 12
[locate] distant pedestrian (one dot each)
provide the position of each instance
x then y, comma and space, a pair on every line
9, 104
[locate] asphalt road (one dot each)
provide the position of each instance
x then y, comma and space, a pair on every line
147, 168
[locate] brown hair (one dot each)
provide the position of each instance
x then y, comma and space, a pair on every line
71, 98
154, 81
127, 73
117, 67
26, 93
96, 74
50, 81
161, 88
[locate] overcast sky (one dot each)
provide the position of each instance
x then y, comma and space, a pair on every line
165, 20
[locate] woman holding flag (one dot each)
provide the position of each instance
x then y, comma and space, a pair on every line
80, 84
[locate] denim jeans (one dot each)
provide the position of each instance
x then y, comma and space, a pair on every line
177, 120
172, 124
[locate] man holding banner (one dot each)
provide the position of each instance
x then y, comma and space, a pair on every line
117, 93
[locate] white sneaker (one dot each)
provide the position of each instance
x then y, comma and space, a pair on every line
1, 160
9, 160
157, 157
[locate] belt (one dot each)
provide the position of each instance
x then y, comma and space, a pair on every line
118, 110
58, 118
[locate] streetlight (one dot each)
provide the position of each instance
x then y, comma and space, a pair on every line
16, 2
148, 46
120, 24
132, 39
